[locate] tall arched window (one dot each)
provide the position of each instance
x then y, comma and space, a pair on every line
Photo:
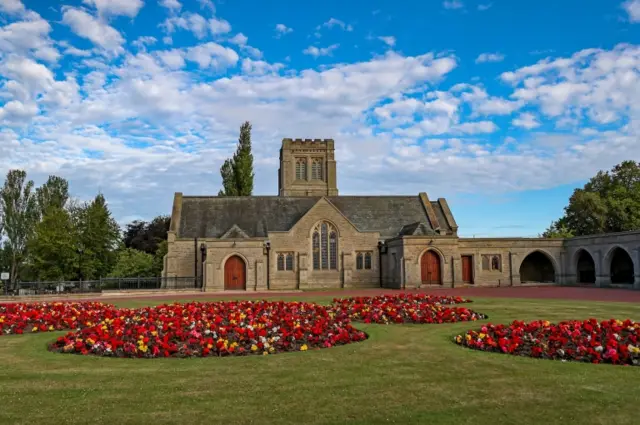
301, 169
325, 247
316, 169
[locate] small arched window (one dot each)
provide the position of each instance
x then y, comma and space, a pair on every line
316, 169
280, 261
367, 260
289, 261
325, 247
495, 263
301, 169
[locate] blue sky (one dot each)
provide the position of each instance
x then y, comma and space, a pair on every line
502, 107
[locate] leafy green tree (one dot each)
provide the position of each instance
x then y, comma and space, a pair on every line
54, 192
133, 263
557, 229
20, 213
237, 173
98, 238
146, 236
158, 258
52, 247
609, 202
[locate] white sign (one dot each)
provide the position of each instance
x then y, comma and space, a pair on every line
4, 276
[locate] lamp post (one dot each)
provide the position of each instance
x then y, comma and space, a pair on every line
203, 257
382, 249
267, 248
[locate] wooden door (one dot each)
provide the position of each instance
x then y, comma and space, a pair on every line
430, 265
235, 273
467, 269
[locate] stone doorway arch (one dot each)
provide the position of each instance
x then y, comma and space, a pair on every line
235, 273
585, 268
621, 267
537, 267
430, 268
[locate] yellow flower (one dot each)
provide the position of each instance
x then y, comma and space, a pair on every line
209, 346
254, 347
304, 347
143, 348
154, 333
90, 341
51, 328
481, 336
264, 353
35, 329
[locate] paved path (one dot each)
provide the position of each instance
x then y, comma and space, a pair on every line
544, 292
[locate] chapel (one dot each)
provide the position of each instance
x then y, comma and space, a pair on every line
308, 236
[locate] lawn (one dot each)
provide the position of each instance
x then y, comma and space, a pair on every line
401, 374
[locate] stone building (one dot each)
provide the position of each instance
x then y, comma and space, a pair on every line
311, 237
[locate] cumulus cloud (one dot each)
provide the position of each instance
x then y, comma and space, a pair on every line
320, 51
282, 29
12, 7
29, 37
452, 4
128, 8
388, 40
490, 57
212, 55
219, 26
333, 22
170, 4
632, 7
98, 32
526, 120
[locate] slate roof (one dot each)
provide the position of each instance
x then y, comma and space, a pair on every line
212, 217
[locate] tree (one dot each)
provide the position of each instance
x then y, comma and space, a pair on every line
237, 173
557, 229
98, 238
20, 213
55, 192
52, 248
133, 263
158, 258
609, 202
147, 236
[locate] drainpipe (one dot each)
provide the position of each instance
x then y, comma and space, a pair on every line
511, 268
267, 249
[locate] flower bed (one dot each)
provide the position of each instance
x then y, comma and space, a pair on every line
18, 318
212, 329
609, 341
405, 308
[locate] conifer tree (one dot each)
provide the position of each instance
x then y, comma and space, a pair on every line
237, 173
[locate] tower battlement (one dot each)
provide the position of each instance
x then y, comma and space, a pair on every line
307, 168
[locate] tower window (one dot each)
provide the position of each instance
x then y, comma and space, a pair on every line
316, 169
301, 169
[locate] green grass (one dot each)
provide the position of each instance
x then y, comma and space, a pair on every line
403, 374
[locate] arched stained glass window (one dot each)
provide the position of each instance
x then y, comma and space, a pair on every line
367, 260
325, 247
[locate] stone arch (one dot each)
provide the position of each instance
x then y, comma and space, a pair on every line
431, 262
585, 266
224, 260
314, 225
538, 266
620, 265
235, 273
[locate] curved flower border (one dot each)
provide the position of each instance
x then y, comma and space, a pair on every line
609, 341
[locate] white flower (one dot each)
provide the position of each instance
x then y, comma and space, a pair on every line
599, 348
561, 352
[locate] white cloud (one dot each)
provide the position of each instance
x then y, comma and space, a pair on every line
320, 51
490, 57
282, 29
173, 59
219, 26
143, 41
526, 120
333, 22
388, 40
483, 7
258, 67
212, 55
29, 37
128, 8
86, 26
452, 4
632, 7
12, 7
170, 4
239, 39
187, 21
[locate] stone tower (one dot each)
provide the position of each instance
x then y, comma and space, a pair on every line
307, 168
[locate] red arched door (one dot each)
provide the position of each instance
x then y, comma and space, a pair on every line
235, 273
430, 267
